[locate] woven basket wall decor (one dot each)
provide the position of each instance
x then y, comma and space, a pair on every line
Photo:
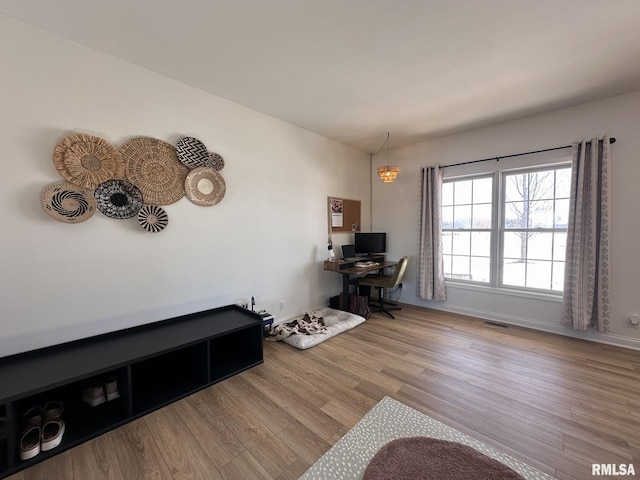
215, 161
205, 186
153, 166
86, 160
192, 152
118, 199
153, 218
67, 202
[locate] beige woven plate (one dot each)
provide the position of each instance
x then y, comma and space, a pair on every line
205, 186
153, 166
87, 161
68, 203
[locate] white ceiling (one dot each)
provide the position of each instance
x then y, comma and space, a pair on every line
354, 69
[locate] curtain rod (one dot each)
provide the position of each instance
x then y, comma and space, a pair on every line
497, 159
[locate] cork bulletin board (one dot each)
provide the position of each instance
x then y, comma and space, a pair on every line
343, 215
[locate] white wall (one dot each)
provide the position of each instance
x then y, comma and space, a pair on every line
396, 209
267, 238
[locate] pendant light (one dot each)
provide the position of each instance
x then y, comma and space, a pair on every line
388, 173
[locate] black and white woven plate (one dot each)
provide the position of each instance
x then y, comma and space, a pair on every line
215, 161
118, 199
192, 153
153, 218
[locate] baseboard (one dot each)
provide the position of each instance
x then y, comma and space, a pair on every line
607, 339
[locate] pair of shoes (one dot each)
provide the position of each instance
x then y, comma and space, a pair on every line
98, 392
43, 429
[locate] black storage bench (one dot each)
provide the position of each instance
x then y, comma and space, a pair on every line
154, 365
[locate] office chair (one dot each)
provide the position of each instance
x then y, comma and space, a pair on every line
380, 282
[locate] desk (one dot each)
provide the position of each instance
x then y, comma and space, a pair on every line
353, 270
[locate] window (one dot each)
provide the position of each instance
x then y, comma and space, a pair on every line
534, 234
508, 228
467, 228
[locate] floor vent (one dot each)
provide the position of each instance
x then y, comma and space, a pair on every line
496, 324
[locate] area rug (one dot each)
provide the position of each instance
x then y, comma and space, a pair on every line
390, 420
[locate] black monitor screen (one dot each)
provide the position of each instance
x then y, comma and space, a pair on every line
370, 242
348, 251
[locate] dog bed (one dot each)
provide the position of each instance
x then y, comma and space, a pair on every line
335, 322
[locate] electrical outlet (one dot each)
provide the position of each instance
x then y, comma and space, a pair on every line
281, 304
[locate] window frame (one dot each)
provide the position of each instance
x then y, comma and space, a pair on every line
499, 206
533, 230
491, 231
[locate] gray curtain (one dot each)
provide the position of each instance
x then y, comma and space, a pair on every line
586, 276
430, 284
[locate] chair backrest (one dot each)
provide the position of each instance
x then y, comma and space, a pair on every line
396, 278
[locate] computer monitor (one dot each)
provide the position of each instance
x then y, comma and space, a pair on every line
368, 243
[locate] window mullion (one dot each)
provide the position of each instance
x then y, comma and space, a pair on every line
497, 229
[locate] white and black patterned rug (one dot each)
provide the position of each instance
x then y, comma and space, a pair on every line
385, 422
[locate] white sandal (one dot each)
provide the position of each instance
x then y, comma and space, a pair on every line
30, 442
52, 433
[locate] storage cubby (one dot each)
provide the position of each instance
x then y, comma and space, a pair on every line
82, 421
153, 365
169, 376
235, 352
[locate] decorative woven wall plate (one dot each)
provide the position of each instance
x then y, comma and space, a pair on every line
118, 199
87, 161
153, 166
215, 161
192, 152
205, 186
68, 203
153, 218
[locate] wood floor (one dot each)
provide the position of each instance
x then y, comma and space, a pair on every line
556, 403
